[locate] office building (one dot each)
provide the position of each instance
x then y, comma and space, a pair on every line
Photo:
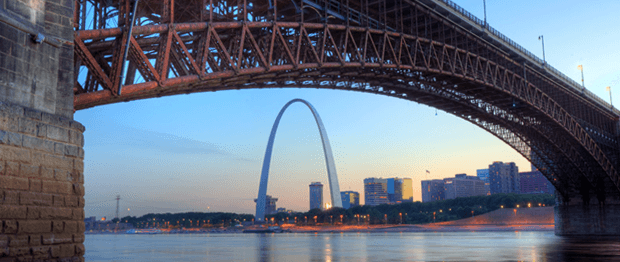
534, 182
406, 189
483, 174
316, 195
462, 185
433, 190
394, 190
504, 178
270, 205
350, 199
375, 191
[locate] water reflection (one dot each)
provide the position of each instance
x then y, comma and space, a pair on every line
426, 246
583, 249
264, 252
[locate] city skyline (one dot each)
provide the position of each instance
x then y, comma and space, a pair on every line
202, 152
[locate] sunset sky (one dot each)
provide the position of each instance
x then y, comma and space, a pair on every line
203, 152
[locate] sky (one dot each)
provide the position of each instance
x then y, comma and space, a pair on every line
203, 152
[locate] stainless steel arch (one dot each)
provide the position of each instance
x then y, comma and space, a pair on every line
329, 161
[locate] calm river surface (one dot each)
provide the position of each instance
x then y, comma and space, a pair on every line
413, 246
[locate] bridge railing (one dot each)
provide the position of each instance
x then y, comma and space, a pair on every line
335, 8
572, 83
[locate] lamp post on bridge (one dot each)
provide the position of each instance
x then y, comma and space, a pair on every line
582, 83
610, 103
484, 2
543, 47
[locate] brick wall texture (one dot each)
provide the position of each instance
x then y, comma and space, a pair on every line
38, 76
41, 186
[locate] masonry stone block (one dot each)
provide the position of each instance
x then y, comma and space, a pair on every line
78, 214
32, 114
54, 250
41, 130
33, 198
16, 241
47, 173
38, 144
35, 185
70, 227
19, 251
15, 139
12, 182
34, 226
30, 171
34, 240
59, 200
12, 168
4, 137
57, 133
10, 153
72, 201
11, 197
56, 213
10, 226
58, 227
27, 126
4, 239
34, 212
57, 187
59, 148
13, 212
40, 251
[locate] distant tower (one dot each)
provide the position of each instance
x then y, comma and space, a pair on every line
118, 198
316, 195
270, 205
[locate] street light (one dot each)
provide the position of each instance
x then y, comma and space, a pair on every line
484, 2
582, 83
609, 89
541, 38
401, 217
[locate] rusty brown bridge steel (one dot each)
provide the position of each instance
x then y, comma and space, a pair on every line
428, 51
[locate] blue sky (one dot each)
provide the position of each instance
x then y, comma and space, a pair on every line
204, 151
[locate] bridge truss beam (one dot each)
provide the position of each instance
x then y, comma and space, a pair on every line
396, 48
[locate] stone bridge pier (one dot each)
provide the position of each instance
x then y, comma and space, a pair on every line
41, 155
591, 212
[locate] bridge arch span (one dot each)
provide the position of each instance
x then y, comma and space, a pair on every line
334, 187
497, 89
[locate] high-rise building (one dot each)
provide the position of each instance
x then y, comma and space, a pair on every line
394, 190
534, 182
270, 205
504, 178
462, 185
483, 174
433, 190
350, 199
316, 195
375, 191
407, 189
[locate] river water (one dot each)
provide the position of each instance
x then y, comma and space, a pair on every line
297, 247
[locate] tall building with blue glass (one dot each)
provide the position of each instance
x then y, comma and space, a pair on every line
483, 174
316, 195
350, 199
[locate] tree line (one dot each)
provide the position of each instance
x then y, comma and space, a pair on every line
405, 213
417, 212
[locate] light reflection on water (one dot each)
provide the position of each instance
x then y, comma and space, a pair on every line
419, 246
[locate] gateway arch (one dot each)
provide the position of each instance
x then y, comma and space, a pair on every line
329, 161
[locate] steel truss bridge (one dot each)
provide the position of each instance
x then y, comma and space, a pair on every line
428, 51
